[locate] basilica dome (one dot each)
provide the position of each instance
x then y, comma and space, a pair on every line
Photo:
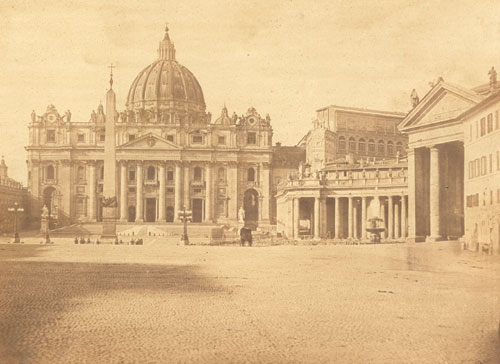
165, 82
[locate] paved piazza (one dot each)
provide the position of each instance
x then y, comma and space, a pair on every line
279, 304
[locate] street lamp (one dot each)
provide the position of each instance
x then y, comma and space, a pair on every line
15, 210
185, 216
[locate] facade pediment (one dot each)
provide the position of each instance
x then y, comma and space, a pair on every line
444, 102
149, 141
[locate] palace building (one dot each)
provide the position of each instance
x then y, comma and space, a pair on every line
356, 170
12, 192
170, 155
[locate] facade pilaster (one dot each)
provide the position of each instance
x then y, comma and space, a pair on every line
123, 191
434, 194
139, 211
412, 221
404, 226
363, 217
349, 217
337, 217
187, 202
296, 211
208, 193
92, 192
396, 221
390, 217
177, 191
316, 218
162, 208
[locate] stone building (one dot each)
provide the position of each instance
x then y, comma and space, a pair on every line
355, 170
170, 155
453, 164
11, 192
340, 131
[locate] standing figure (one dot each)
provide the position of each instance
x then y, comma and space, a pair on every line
241, 215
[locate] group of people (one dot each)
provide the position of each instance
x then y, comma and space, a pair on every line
83, 241
132, 241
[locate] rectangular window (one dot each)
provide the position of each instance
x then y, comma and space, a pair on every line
131, 137
471, 170
477, 129
102, 137
491, 163
170, 175
490, 123
469, 201
483, 126
51, 136
478, 168
491, 197
80, 207
197, 190
222, 140
170, 138
170, 190
81, 138
251, 138
483, 166
131, 175
131, 189
197, 139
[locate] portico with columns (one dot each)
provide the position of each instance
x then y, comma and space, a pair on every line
436, 163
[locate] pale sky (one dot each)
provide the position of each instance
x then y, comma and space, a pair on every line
284, 57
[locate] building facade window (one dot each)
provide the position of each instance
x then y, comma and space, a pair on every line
81, 138
81, 174
197, 174
51, 136
170, 174
490, 123
399, 147
251, 175
50, 173
361, 146
221, 174
483, 126
371, 146
221, 139
131, 137
381, 147
151, 173
131, 175
251, 138
341, 144
170, 138
352, 145
197, 139
390, 148
102, 137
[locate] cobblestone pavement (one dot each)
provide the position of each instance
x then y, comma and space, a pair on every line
402, 303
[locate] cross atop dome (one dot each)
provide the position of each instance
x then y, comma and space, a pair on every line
166, 50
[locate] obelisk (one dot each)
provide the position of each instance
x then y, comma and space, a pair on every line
109, 202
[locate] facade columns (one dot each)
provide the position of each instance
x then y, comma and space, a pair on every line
434, 193
390, 217
316, 218
139, 202
349, 217
187, 203
161, 194
177, 191
355, 227
208, 193
412, 221
382, 215
363, 217
403, 216
396, 221
337, 217
123, 192
92, 207
296, 202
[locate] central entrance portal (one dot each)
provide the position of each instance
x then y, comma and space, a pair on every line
197, 210
150, 209
251, 206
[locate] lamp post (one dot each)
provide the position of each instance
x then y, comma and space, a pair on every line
15, 210
185, 216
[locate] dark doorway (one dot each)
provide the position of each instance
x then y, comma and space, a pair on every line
170, 214
131, 213
197, 211
251, 207
49, 200
150, 209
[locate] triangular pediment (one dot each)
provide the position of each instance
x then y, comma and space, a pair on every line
444, 102
149, 141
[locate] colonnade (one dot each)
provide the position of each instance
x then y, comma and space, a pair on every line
350, 216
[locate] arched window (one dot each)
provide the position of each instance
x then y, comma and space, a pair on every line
197, 174
50, 172
221, 174
381, 147
341, 146
361, 146
390, 148
251, 175
352, 144
81, 173
371, 146
399, 147
151, 173
170, 174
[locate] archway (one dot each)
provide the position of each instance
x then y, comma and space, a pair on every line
131, 213
251, 207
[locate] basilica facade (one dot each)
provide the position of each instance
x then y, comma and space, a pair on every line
170, 155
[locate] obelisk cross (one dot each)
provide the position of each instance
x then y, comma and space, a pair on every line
111, 75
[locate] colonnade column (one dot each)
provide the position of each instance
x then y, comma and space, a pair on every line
296, 218
355, 232
349, 217
208, 192
337, 217
434, 194
363, 217
177, 191
161, 194
92, 208
316, 217
390, 217
396, 221
382, 216
123, 191
138, 205
412, 228
403, 216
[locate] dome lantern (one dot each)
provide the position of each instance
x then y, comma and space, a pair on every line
166, 49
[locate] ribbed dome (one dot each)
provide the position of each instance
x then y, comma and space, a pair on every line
164, 81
